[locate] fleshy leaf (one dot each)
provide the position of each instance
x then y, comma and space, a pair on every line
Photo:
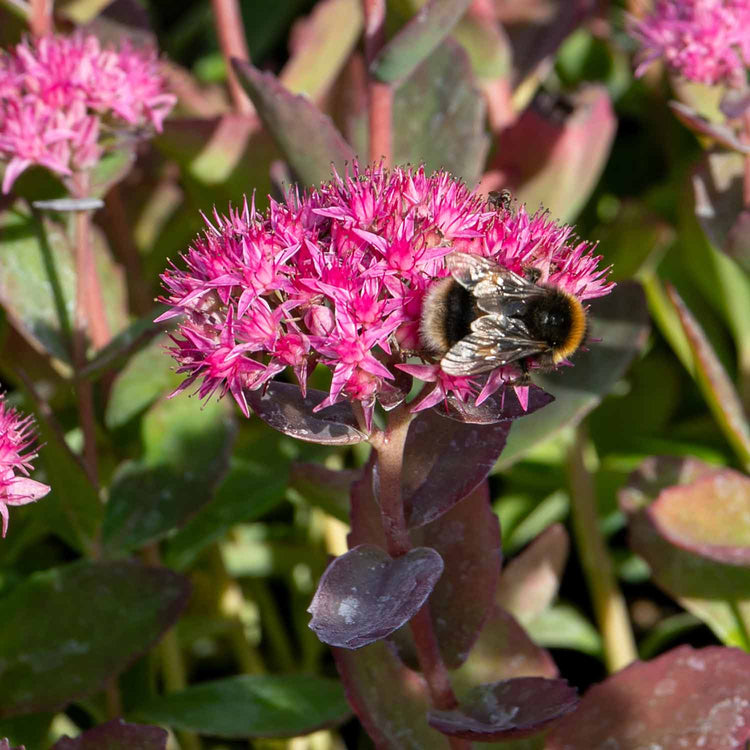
246, 493
553, 157
418, 39
467, 538
251, 706
707, 517
186, 455
503, 651
507, 709
320, 46
283, 407
389, 699
687, 697
308, 138
716, 386
147, 375
37, 280
538, 27
436, 474
531, 580
326, 488
441, 114
715, 592
721, 133
365, 595
117, 735
719, 205
620, 320
503, 405
67, 630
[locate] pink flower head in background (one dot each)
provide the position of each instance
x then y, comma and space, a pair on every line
17, 440
707, 41
337, 276
59, 95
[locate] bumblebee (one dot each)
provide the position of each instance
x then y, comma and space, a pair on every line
485, 316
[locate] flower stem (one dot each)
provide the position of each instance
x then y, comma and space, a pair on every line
609, 604
232, 41
389, 446
41, 17
379, 94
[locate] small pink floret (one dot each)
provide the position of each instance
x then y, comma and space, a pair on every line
337, 277
17, 452
59, 94
706, 41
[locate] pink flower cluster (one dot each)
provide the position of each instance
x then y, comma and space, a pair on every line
337, 276
16, 454
59, 94
707, 41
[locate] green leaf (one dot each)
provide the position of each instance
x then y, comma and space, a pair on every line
718, 593
68, 630
621, 321
563, 626
716, 386
252, 706
330, 33
418, 39
308, 139
441, 113
38, 279
146, 376
186, 453
247, 493
72, 510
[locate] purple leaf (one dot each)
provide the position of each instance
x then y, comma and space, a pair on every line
686, 698
365, 595
436, 471
553, 158
531, 579
307, 137
501, 406
117, 735
717, 388
467, 538
283, 407
707, 517
503, 651
507, 709
722, 134
389, 699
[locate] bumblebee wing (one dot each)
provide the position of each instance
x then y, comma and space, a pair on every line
494, 287
493, 342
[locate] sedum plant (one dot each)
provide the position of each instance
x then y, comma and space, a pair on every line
346, 540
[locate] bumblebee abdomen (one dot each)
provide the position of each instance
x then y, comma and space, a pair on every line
447, 313
557, 319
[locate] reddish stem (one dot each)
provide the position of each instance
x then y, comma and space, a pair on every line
389, 446
41, 17
231, 33
379, 94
